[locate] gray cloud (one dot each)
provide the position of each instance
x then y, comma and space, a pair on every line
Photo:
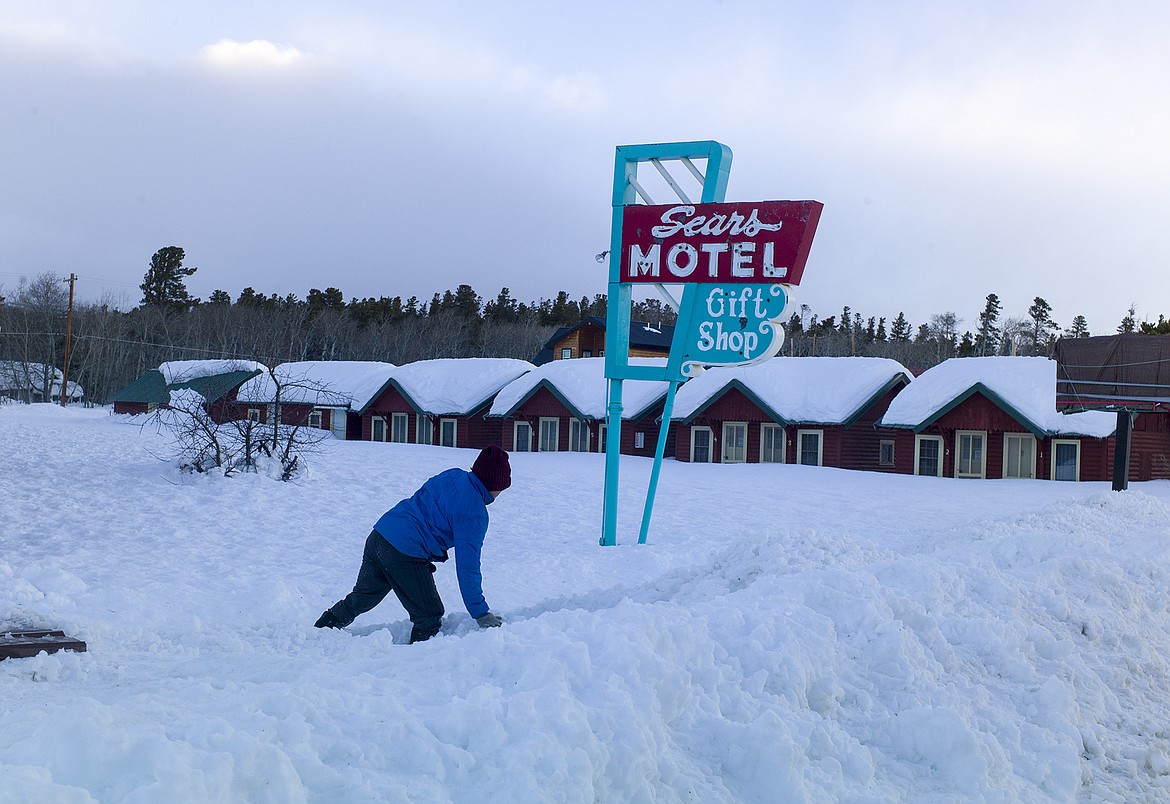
1012, 149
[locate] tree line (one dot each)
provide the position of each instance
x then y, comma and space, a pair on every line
112, 347
939, 338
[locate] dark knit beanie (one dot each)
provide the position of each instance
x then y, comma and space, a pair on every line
492, 468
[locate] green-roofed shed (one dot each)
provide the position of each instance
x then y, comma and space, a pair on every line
151, 390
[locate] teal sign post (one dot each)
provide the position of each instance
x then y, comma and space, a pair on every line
735, 262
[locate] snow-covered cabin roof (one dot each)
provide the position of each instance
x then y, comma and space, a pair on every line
453, 386
18, 375
581, 385
1024, 387
797, 390
322, 383
179, 371
76, 392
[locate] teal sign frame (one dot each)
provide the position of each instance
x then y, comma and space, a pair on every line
727, 318
626, 190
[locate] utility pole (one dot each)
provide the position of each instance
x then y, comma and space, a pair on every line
68, 338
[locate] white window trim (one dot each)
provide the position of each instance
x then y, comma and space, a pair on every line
918, 439
556, 423
1052, 448
602, 430
315, 414
254, 415
516, 436
385, 428
639, 440
454, 432
405, 419
764, 427
710, 443
1008, 437
820, 434
982, 454
424, 430
723, 452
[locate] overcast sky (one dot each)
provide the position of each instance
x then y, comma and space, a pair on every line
385, 148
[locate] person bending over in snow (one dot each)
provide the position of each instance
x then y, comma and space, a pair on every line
450, 510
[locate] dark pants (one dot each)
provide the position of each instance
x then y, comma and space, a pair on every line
385, 569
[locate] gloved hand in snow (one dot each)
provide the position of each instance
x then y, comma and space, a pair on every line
489, 620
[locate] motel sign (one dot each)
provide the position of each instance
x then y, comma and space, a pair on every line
759, 242
735, 263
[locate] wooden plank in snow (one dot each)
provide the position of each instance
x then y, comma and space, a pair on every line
22, 644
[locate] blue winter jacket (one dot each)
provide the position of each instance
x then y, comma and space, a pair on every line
450, 510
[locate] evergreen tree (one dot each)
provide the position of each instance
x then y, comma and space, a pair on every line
465, 302
1078, 329
163, 285
503, 309
881, 330
1161, 328
900, 330
1129, 323
328, 299
1043, 326
219, 297
987, 339
967, 345
250, 298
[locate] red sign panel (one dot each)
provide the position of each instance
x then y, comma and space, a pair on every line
750, 242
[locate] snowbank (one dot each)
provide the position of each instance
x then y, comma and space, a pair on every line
790, 633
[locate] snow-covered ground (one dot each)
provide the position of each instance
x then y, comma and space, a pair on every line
789, 634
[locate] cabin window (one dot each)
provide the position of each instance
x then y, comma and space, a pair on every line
970, 453
771, 443
522, 437
886, 452
1019, 455
928, 454
586, 353
639, 440
578, 435
566, 353
425, 430
315, 419
550, 434
377, 429
601, 430
254, 415
398, 422
809, 447
734, 442
448, 429
1066, 460
701, 444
